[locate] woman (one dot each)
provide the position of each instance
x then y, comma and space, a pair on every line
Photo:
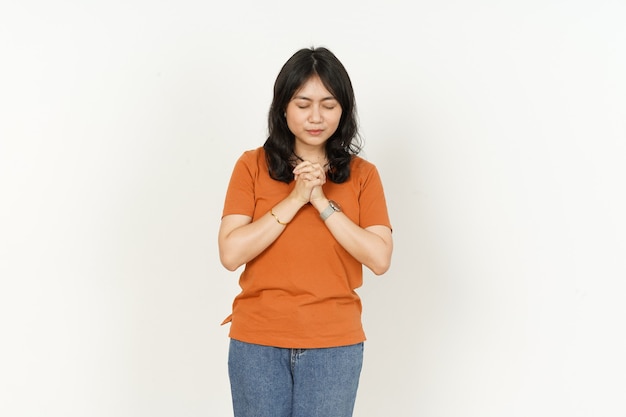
303, 213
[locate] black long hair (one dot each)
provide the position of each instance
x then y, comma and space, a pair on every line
342, 145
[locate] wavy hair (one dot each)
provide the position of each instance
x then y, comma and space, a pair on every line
342, 145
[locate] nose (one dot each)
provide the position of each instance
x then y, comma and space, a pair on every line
316, 115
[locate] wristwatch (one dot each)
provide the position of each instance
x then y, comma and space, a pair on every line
328, 211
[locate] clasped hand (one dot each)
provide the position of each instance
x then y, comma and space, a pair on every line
309, 178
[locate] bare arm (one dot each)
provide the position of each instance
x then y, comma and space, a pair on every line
240, 239
372, 246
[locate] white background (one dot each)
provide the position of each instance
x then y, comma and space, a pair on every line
499, 131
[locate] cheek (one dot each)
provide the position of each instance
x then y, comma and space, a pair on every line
336, 119
294, 124
291, 121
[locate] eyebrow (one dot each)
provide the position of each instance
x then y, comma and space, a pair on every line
308, 99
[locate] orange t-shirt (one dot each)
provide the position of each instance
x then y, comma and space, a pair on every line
300, 291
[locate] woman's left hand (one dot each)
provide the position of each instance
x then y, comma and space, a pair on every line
314, 174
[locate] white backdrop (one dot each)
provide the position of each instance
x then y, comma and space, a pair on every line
499, 131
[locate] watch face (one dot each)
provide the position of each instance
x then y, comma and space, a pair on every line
334, 205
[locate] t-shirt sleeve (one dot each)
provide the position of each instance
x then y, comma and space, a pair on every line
240, 193
372, 202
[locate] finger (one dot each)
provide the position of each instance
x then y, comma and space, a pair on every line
301, 166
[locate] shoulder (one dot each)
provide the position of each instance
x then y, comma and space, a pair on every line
253, 159
361, 167
253, 154
365, 174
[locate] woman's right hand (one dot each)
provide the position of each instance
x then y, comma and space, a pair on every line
307, 176
240, 239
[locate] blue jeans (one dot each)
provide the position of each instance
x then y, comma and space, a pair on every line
276, 382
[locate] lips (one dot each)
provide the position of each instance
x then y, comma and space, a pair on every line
315, 132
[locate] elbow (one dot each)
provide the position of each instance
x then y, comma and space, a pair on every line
382, 262
229, 263
380, 257
380, 270
380, 267
230, 267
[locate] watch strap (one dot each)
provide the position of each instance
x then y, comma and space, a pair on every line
328, 211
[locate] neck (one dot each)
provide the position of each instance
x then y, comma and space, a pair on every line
309, 152
315, 158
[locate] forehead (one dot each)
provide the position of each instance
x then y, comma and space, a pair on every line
313, 88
